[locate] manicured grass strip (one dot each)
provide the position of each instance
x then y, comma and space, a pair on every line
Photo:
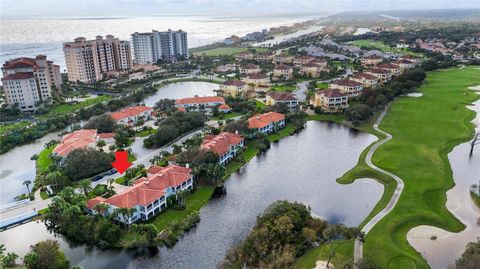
424, 130
283, 88
259, 104
68, 108
145, 133
245, 156
322, 85
194, 202
4, 128
327, 117
227, 116
44, 161
288, 130
343, 255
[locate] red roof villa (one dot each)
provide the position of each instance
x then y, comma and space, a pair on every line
148, 195
130, 115
204, 103
84, 138
225, 145
267, 123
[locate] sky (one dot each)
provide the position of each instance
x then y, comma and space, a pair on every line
26, 8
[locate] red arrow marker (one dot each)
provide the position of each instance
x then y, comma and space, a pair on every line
121, 161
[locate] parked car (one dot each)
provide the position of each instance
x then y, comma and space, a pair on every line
97, 178
111, 171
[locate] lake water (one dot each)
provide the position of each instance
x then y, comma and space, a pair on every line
16, 166
42, 35
299, 168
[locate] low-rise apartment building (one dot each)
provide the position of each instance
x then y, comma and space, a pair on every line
267, 123
266, 57
404, 64
392, 68
290, 101
310, 70
80, 139
131, 115
382, 74
283, 72
371, 60
257, 80
225, 145
347, 87
367, 80
283, 58
233, 88
27, 81
244, 55
249, 69
197, 103
411, 58
224, 68
304, 59
148, 195
330, 100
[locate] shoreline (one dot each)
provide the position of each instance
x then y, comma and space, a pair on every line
460, 204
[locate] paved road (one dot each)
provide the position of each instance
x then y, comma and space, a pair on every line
358, 249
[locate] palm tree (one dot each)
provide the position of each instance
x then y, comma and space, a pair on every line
181, 195
110, 183
27, 183
85, 185
101, 208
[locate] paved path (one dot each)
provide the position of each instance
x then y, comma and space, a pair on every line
358, 249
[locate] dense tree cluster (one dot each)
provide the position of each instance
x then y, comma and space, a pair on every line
46, 254
283, 232
83, 163
103, 124
171, 128
470, 259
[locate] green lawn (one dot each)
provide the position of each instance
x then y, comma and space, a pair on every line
68, 108
227, 116
322, 85
379, 45
288, 130
194, 202
338, 118
343, 255
247, 155
225, 51
283, 88
145, 133
44, 161
13, 126
424, 130
260, 104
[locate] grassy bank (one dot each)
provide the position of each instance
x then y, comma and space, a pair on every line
68, 108
343, 255
44, 161
424, 130
8, 127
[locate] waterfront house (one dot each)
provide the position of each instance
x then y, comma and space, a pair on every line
233, 88
80, 139
249, 69
286, 98
283, 72
148, 195
257, 79
367, 80
244, 55
330, 100
204, 103
392, 68
382, 74
131, 115
266, 123
347, 87
225, 145
370, 60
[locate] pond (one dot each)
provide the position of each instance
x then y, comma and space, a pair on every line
298, 168
16, 166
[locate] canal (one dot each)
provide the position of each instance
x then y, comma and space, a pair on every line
16, 166
298, 168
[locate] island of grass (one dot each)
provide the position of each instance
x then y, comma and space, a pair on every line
379, 45
424, 130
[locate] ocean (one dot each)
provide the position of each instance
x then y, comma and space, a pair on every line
41, 35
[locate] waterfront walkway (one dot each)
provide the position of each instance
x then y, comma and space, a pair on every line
358, 249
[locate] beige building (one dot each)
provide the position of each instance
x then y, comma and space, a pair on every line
412, 59
382, 74
257, 80
311, 70
367, 80
27, 81
89, 61
286, 98
305, 59
264, 57
392, 68
244, 55
371, 60
249, 69
404, 64
283, 72
233, 88
347, 87
283, 58
330, 100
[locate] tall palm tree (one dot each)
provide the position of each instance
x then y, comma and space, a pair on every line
27, 183
85, 185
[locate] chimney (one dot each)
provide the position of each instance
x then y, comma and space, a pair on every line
236, 132
187, 165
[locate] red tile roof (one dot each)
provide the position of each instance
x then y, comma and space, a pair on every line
283, 67
19, 75
106, 135
250, 66
378, 71
23, 62
387, 66
220, 144
200, 100
282, 96
129, 112
93, 202
347, 82
372, 57
365, 76
234, 82
257, 76
148, 189
403, 61
259, 121
77, 140
330, 93
224, 107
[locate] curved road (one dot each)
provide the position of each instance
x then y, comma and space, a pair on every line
358, 249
